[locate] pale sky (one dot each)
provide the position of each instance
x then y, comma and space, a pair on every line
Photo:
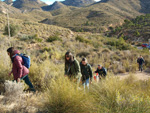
52, 1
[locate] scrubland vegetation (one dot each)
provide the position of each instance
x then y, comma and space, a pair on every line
135, 30
47, 45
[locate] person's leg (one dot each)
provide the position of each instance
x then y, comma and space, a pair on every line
87, 83
83, 85
27, 81
141, 68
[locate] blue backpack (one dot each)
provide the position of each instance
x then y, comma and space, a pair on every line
26, 59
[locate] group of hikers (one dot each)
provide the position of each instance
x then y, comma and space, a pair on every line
73, 69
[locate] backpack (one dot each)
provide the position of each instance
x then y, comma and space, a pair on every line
26, 59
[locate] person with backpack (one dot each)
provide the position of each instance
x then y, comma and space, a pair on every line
19, 70
72, 67
101, 71
140, 61
86, 72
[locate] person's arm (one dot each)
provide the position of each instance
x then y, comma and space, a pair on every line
66, 69
143, 60
104, 72
96, 71
81, 68
10, 73
77, 67
90, 72
138, 60
19, 66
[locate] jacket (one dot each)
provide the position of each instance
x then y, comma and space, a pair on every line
73, 69
101, 72
140, 61
86, 71
18, 69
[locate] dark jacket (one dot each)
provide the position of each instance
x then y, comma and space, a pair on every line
140, 61
101, 72
73, 69
86, 71
18, 69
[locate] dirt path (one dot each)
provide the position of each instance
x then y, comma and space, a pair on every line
140, 75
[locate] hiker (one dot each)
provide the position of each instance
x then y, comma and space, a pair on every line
86, 72
20, 72
72, 68
140, 61
101, 71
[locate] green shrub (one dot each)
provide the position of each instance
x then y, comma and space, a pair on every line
39, 39
119, 44
14, 29
84, 40
54, 38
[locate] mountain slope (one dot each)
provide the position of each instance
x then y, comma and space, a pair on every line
54, 6
4, 7
137, 29
78, 3
8, 1
28, 5
145, 4
99, 16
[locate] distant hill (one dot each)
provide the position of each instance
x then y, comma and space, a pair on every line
54, 6
137, 30
145, 4
4, 7
75, 3
8, 1
78, 3
28, 5
99, 16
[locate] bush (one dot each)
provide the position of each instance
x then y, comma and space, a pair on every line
84, 40
13, 88
31, 38
42, 72
54, 38
119, 44
64, 97
117, 96
14, 29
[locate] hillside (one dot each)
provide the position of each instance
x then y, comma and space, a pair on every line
54, 6
47, 45
99, 16
78, 3
145, 4
4, 7
28, 5
137, 30
34, 15
8, 1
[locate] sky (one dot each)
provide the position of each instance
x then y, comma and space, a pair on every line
52, 1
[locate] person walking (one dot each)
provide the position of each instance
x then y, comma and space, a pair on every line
86, 72
140, 61
72, 68
20, 72
101, 71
